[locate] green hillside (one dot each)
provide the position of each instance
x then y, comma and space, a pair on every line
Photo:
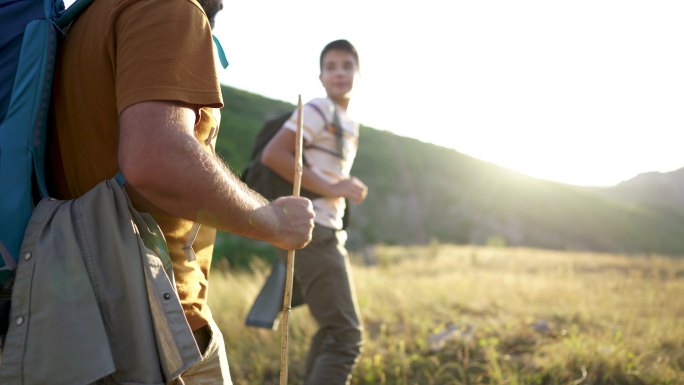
420, 193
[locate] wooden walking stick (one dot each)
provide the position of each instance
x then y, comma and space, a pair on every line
287, 298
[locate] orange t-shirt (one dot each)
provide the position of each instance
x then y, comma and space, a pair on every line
116, 54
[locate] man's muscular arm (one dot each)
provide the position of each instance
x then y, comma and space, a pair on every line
162, 161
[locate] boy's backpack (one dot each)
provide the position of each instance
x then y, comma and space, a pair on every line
261, 178
30, 33
268, 183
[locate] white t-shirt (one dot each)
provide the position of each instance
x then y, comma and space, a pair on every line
322, 155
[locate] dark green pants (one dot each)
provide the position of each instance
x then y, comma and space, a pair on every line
323, 275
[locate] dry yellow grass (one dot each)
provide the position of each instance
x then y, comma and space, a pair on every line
445, 314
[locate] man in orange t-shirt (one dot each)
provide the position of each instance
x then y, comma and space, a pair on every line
136, 90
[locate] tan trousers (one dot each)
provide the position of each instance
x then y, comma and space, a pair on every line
212, 370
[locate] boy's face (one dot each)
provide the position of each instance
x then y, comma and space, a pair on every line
337, 74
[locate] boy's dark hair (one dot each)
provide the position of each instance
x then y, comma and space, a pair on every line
342, 45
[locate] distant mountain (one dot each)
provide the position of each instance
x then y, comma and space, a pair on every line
654, 189
421, 192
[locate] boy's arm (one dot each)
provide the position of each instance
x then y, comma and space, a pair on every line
278, 155
163, 162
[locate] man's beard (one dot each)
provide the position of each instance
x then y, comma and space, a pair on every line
211, 8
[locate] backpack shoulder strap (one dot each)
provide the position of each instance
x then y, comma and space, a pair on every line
338, 131
319, 111
67, 16
23, 126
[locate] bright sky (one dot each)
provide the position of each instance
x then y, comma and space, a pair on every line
581, 92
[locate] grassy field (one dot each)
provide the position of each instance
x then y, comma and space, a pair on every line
444, 314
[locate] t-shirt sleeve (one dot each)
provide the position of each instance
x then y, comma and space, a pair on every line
163, 50
313, 123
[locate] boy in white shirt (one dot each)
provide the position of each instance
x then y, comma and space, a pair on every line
322, 269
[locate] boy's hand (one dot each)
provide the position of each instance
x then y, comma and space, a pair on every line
352, 189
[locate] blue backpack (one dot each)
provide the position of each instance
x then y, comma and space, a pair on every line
30, 31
